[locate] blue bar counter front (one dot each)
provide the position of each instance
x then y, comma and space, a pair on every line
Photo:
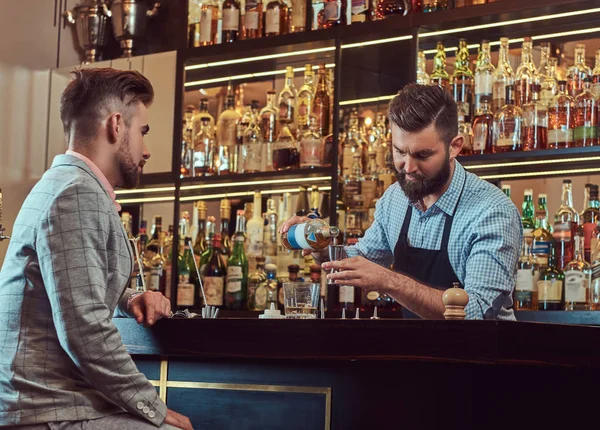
369, 374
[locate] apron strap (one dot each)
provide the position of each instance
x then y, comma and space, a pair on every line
450, 220
406, 223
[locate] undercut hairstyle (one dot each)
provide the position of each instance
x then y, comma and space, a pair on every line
94, 93
416, 107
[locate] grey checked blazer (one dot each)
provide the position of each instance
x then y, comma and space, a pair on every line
65, 272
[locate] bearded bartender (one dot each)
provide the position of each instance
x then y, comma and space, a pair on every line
438, 224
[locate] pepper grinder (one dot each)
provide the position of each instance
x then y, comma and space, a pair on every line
455, 299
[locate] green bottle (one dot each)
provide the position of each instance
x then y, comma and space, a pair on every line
237, 269
528, 217
186, 287
551, 295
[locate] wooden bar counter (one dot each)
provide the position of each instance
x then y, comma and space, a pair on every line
370, 374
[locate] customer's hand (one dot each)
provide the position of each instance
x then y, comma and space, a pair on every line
177, 420
319, 256
149, 307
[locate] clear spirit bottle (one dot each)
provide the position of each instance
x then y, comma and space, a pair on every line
503, 76
252, 147
544, 68
507, 125
561, 119
306, 95
596, 75
535, 122
578, 72
586, 116
311, 146
526, 74
566, 222
422, 77
204, 150
462, 79
287, 99
227, 136
577, 280
483, 128
484, 75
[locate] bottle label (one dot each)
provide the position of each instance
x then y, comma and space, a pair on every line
234, 279
596, 271
550, 290
576, 285
586, 132
560, 135
359, 6
588, 234
231, 19
346, 294
298, 13
484, 84
297, 238
251, 20
480, 136
261, 297
185, 292
272, 21
206, 25
286, 111
155, 274
505, 142
213, 288
541, 250
526, 280
332, 10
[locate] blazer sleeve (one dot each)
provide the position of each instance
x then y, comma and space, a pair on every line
71, 244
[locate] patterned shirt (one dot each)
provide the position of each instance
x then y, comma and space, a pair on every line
484, 244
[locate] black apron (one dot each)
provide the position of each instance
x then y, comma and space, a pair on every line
427, 266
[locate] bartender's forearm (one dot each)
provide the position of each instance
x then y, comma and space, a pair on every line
420, 299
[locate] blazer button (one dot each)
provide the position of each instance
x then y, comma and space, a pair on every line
151, 414
140, 405
146, 409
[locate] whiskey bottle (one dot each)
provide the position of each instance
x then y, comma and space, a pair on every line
526, 75
549, 85
503, 76
544, 69
231, 21
252, 21
550, 287
186, 287
306, 95
526, 293
302, 206
596, 75
276, 18
354, 230
287, 99
227, 137
257, 277
298, 16
200, 117
589, 219
578, 72
586, 116
507, 125
225, 213
578, 280
314, 234
252, 147
322, 102
440, 76
483, 129
205, 149
285, 152
214, 275
484, 75
423, 77
566, 221
203, 31
535, 122
237, 270
561, 119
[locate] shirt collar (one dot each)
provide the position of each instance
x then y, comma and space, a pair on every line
448, 201
96, 171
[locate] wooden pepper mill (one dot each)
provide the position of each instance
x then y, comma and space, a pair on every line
455, 299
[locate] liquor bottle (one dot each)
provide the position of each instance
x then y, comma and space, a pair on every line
205, 150
589, 220
270, 233
440, 76
506, 190
526, 74
586, 117
254, 280
423, 77
543, 206
187, 152
225, 213
566, 221
353, 196
153, 245
354, 230
199, 117
507, 125
311, 146
306, 95
595, 279
535, 122
550, 287
484, 75
333, 14
255, 232
237, 269
200, 244
252, 21
370, 181
287, 99
549, 85
542, 239
596, 75
322, 103
214, 275
276, 18
527, 218
252, 147
544, 69
298, 16
314, 234
266, 292
578, 72
503, 76
466, 131
285, 152
361, 11
561, 119
302, 207
186, 287
578, 277
231, 21
434, 5
462, 79
526, 294
483, 128
205, 30
314, 203
227, 137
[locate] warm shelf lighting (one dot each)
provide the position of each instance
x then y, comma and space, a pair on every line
249, 76
367, 100
243, 194
145, 190
253, 183
511, 22
146, 200
260, 58
531, 163
543, 173
376, 42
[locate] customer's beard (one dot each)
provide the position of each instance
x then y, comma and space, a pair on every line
422, 186
129, 170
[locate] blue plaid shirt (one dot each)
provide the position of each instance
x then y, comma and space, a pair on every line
484, 244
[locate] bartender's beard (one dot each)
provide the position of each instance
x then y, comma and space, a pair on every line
422, 186
128, 168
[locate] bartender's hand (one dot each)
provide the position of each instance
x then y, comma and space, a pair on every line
359, 272
178, 420
319, 256
149, 307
